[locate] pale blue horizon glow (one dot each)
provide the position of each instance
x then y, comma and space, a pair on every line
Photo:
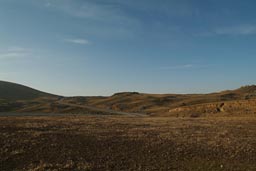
100, 47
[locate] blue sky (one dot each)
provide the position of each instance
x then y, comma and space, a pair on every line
99, 47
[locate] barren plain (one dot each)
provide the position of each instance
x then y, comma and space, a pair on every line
39, 143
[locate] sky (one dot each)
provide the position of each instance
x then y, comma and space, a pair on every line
100, 47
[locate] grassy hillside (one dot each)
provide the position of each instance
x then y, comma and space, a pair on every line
12, 91
158, 104
19, 98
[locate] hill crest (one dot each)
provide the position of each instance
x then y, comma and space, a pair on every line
14, 91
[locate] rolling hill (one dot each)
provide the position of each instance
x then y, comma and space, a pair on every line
13, 91
239, 102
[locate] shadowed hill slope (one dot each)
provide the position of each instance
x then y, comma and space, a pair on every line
13, 91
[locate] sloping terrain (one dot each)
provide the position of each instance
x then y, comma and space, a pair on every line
240, 100
14, 97
22, 99
227, 108
12, 91
193, 132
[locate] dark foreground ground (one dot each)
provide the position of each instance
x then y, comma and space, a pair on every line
74, 143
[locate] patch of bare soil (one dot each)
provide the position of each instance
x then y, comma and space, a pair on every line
84, 143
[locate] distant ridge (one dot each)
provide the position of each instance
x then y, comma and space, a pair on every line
13, 91
248, 89
19, 98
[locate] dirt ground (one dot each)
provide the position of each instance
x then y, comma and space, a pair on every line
115, 143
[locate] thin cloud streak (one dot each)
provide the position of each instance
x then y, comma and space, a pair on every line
236, 30
92, 10
14, 53
115, 19
239, 30
178, 67
183, 67
77, 41
11, 55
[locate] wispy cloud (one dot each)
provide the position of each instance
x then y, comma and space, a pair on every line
183, 67
78, 41
48, 4
236, 30
14, 52
178, 67
111, 15
239, 30
92, 10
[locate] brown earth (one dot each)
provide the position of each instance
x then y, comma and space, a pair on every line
21, 99
128, 131
76, 143
236, 102
240, 102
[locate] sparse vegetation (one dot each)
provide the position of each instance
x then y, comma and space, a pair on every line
127, 143
213, 132
23, 99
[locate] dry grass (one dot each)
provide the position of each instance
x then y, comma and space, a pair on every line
127, 143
